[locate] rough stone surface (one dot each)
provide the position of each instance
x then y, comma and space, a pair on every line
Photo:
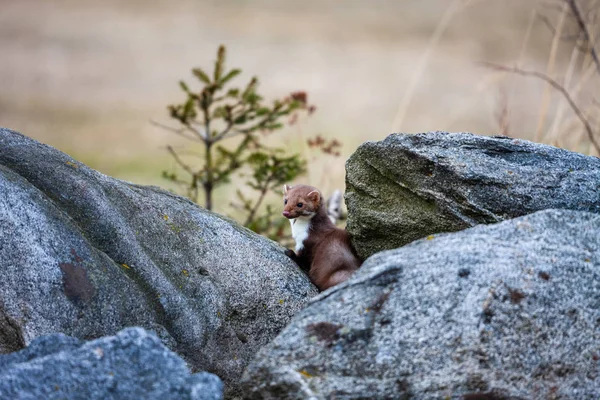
87, 255
134, 364
409, 186
502, 311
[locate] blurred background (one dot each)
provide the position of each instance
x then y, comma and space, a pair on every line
88, 76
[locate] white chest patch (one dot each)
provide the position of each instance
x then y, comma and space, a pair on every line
300, 227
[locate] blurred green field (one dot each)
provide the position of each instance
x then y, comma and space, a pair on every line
88, 76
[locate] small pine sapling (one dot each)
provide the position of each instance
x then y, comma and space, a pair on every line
218, 113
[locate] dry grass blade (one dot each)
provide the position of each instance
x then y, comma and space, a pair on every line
549, 72
527, 36
567, 82
416, 78
557, 86
502, 114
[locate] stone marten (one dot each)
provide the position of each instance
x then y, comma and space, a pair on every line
323, 250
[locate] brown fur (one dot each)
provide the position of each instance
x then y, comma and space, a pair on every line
327, 255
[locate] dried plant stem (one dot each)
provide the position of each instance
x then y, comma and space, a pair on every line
588, 61
549, 72
553, 133
526, 38
504, 116
588, 73
584, 30
263, 192
183, 132
179, 161
557, 86
578, 133
193, 189
421, 66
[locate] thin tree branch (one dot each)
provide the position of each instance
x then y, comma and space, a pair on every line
181, 132
224, 133
557, 86
200, 133
552, 29
263, 192
253, 211
234, 133
183, 165
582, 25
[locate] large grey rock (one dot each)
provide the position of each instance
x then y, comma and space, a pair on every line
134, 364
502, 311
87, 255
409, 186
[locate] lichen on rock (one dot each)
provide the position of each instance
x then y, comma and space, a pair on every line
88, 255
508, 310
407, 187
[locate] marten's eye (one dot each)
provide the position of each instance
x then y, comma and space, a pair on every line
299, 204
285, 202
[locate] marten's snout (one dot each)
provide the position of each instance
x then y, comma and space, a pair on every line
286, 214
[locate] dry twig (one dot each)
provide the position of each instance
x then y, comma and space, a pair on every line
557, 86
180, 132
584, 29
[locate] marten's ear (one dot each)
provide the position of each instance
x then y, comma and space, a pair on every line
314, 196
286, 188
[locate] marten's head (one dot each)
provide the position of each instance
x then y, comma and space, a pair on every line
300, 201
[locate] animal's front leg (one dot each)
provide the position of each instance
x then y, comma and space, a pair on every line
290, 253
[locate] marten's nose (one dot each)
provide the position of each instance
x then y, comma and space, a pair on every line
286, 213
